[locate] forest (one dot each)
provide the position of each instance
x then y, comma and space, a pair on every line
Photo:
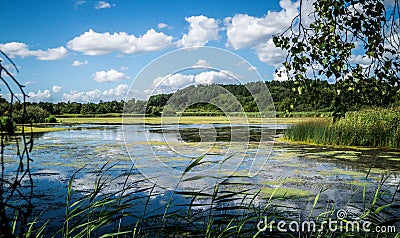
286, 95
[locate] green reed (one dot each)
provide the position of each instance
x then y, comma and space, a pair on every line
372, 127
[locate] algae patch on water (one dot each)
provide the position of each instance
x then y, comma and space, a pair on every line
277, 192
338, 172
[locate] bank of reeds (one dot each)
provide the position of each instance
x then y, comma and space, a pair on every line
372, 127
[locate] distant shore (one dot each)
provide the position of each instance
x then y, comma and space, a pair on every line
184, 120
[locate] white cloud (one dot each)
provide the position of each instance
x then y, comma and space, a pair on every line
14, 49
171, 83
174, 81
51, 54
247, 31
362, 60
56, 88
29, 83
270, 54
78, 63
75, 96
201, 30
283, 75
102, 5
77, 3
39, 96
117, 93
162, 25
244, 31
202, 63
210, 77
123, 68
93, 43
109, 76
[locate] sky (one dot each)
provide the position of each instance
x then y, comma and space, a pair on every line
77, 50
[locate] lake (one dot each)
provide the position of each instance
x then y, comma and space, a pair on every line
249, 155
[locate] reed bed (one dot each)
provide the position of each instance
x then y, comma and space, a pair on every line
372, 127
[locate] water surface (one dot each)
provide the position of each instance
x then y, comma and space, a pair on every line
149, 154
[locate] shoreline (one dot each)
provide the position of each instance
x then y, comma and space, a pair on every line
183, 120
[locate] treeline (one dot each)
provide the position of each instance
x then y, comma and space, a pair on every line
287, 96
284, 95
81, 108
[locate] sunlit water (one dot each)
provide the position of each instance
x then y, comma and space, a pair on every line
160, 155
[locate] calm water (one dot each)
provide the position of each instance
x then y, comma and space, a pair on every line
161, 154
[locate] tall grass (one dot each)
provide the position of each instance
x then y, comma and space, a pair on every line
372, 127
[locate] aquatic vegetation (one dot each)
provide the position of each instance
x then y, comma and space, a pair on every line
140, 209
372, 127
102, 203
281, 192
358, 183
347, 172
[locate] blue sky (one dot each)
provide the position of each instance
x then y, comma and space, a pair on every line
90, 50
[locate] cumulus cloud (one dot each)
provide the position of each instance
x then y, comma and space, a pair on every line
202, 63
210, 77
44, 95
102, 5
78, 63
201, 30
56, 88
109, 76
247, 31
93, 43
174, 81
171, 83
362, 60
117, 93
162, 25
270, 54
14, 49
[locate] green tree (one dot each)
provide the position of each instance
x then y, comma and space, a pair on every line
352, 42
34, 114
88, 108
71, 107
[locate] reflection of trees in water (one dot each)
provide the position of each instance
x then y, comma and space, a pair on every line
16, 184
221, 133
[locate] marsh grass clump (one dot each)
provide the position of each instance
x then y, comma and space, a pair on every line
371, 127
